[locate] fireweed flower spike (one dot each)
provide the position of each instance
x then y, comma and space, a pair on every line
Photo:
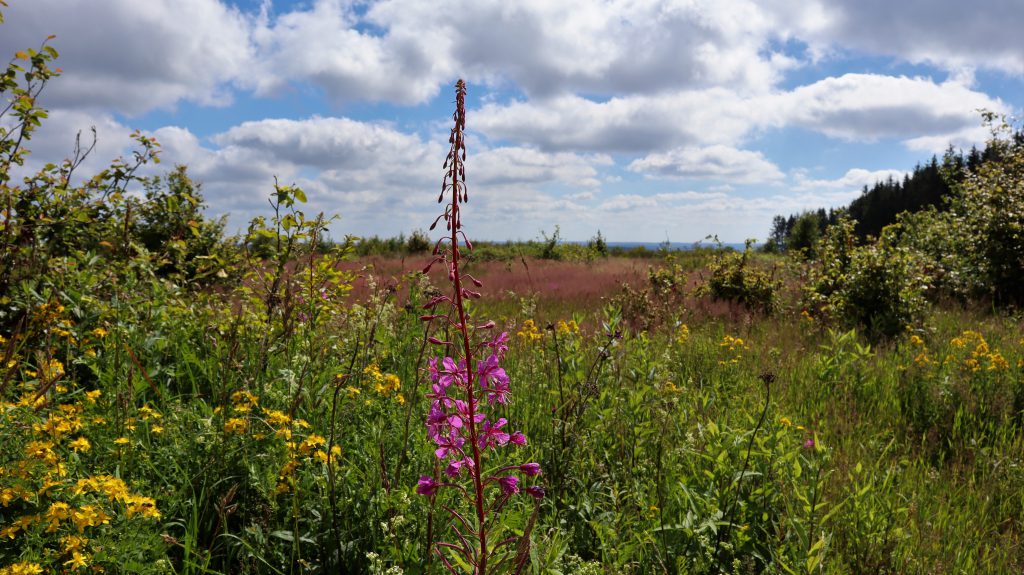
466, 381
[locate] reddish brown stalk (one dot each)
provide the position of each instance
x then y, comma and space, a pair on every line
455, 172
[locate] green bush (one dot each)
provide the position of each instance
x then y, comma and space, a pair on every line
976, 248
732, 278
879, 286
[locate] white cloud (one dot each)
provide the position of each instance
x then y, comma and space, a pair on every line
610, 48
853, 180
624, 124
714, 162
867, 107
653, 202
948, 33
510, 165
325, 45
854, 107
133, 56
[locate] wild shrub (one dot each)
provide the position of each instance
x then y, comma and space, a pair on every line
879, 286
977, 246
733, 278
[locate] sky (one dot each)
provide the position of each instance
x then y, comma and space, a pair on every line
648, 120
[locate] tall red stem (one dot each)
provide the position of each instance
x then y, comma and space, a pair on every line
457, 146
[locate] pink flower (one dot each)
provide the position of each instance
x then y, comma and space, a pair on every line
491, 434
509, 484
499, 344
451, 373
517, 438
447, 444
455, 467
536, 491
427, 486
530, 469
493, 380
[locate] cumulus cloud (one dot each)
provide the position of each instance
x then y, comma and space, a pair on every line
330, 143
721, 163
144, 55
867, 107
610, 48
509, 165
638, 123
854, 179
856, 107
653, 202
330, 46
949, 34
134, 56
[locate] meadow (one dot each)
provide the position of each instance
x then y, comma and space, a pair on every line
177, 401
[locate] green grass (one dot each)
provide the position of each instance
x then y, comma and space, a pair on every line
655, 452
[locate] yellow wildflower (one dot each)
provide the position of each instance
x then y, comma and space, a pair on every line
78, 560
235, 425
23, 568
142, 506
73, 543
277, 418
529, 332
567, 328
148, 413
88, 516
310, 443
80, 444
122, 441
683, 334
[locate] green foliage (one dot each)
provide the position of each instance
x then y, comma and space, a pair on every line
804, 236
977, 247
880, 286
598, 245
169, 223
549, 247
732, 277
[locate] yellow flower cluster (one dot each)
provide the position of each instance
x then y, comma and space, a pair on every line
921, 357
570, 327
309, 449
787, 422
683, 334
529, 332
48, 494
22, 568
385, 384
732, 348
252, 420
980, 356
